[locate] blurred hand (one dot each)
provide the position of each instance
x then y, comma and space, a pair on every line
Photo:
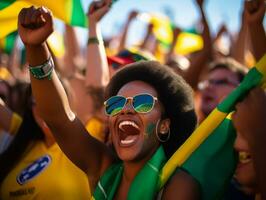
223, 28
35, 25
132, 15
200, 3
98, 9
176, 31
254, 10
250, 115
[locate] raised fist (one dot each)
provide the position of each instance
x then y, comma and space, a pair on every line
254, 10
34, 25
98, 9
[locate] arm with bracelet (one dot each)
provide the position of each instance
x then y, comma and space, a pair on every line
97, 72
93, 157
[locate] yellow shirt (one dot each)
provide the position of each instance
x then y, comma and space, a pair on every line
45, 174
96, 129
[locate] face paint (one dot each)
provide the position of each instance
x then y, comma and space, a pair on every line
149, 129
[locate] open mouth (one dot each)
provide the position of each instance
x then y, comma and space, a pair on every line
128, 132
244, 157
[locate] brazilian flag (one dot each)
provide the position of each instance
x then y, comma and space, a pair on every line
7, 43
70, 11
208, 154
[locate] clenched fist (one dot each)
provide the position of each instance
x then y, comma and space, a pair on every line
35, 25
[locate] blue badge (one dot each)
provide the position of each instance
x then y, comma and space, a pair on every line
33, 169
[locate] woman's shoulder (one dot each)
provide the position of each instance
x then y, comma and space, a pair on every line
181, 186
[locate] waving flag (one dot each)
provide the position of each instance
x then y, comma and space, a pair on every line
188, 42
70, 11
7, 43
208, 154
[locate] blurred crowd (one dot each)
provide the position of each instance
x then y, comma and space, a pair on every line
27, 145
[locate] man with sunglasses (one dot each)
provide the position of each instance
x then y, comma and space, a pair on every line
222, 77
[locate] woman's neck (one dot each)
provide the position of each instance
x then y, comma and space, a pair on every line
132, 168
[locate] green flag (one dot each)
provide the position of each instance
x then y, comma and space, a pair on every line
7, 44
70, 11
208, 154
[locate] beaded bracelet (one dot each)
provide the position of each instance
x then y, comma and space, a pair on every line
44, 70
93, 40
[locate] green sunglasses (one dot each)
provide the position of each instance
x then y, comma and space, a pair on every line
142, 103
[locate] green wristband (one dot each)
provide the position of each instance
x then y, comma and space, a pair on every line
93, 40
44, 70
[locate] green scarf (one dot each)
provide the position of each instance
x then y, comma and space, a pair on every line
144, 185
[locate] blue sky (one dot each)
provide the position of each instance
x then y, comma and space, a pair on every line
184, 13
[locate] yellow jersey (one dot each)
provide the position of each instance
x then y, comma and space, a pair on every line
44, 173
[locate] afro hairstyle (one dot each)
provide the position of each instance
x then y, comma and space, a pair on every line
174, 93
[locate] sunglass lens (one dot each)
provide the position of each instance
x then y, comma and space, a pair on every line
143, 103
114, 105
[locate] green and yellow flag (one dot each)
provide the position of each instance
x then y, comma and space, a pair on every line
7, 43
208, 154
188, 42
70, 11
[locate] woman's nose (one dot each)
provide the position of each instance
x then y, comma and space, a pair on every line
128, 108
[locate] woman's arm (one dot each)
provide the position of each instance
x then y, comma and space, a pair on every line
93, 157
181, 187
122, 43
97, 71
255, 12
199, 61
239, 47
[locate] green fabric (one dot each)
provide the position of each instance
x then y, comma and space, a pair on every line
5, 3
144, 186
213, 163
252, 79
10, 42
78, 17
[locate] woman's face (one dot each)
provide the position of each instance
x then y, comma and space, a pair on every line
245, 173
133, 134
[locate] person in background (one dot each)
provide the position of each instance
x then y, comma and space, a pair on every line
250, 114
222, 77
33, 166
249, 121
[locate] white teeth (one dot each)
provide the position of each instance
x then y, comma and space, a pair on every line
129, 139
244, 157
121, 124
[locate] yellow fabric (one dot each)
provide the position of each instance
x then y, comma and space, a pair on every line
8, 17
5, 74
57, 9
2, 42
61, 179
56, 44
162, 28
188, 43
15, 123
96, 129
61, 9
